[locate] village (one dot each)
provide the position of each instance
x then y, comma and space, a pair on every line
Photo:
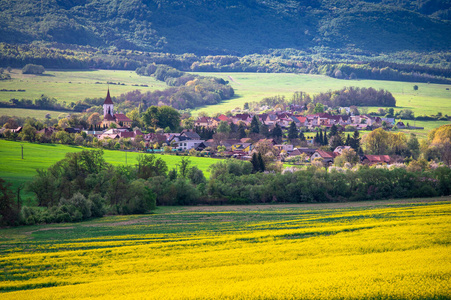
285, 136
305, 149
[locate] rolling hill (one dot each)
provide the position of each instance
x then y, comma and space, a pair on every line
230, 27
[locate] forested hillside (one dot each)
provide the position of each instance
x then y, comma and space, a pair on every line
236, 27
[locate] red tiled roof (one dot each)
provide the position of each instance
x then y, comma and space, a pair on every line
325, 154
122, 118
108, 98
378, 158
223, 118
301, 119
203, 120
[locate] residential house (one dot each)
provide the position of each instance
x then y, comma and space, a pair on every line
244, 147
339, 149
187, 145
203, 122
48, 131
328, 157
285, 147
376, 159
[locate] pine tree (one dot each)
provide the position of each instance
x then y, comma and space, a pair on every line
241, 131
255, 163
348, 140
255, 126
321, 138
292, 131
277, 132
264, 130
301, 136
333, 131
261, 163
355, 141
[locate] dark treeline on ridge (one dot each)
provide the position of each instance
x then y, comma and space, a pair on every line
404, 66
358, 39
224, 27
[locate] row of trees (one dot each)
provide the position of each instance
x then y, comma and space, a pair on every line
405, 66
83, 185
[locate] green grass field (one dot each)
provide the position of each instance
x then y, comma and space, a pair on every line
31, 113
428, 99
41, 156
73, 86
393, 249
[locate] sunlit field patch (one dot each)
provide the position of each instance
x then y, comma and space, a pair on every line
389, 251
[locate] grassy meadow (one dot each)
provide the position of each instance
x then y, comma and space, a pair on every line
428, 99
73, 86
32, 113
41, 156
394, 249
77, 85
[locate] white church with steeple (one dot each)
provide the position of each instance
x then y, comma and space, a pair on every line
109, 117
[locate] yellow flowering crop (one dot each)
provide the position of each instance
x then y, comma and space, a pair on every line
379, 253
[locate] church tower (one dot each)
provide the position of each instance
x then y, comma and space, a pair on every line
108, 106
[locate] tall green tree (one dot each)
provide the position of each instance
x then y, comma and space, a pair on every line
255, 125
277, 133
162, 116
292, 131
264, 130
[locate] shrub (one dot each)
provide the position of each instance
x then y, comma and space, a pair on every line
33, 69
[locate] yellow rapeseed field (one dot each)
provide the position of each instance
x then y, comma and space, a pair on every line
380, 252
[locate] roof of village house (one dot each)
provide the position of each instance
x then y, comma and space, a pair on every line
325, 154
308, 151
191, 135
203, 120
122, 118
342, 148
108, 98
130, 134
242, 116
223, 118
111, 136
267, 140
301, 119
378, 158
324, 115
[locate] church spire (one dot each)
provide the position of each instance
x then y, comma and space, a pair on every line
108, 98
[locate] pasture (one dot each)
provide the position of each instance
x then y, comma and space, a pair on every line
68, 86
249, 87
72, 86
16, 170
394, 249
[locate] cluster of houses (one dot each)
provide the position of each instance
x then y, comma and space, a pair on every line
242, 148
310, 122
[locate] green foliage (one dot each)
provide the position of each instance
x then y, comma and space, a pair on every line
33, 69
150, 166
9, 210
162, 117
215, 27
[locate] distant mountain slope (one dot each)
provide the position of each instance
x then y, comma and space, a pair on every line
230, 27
